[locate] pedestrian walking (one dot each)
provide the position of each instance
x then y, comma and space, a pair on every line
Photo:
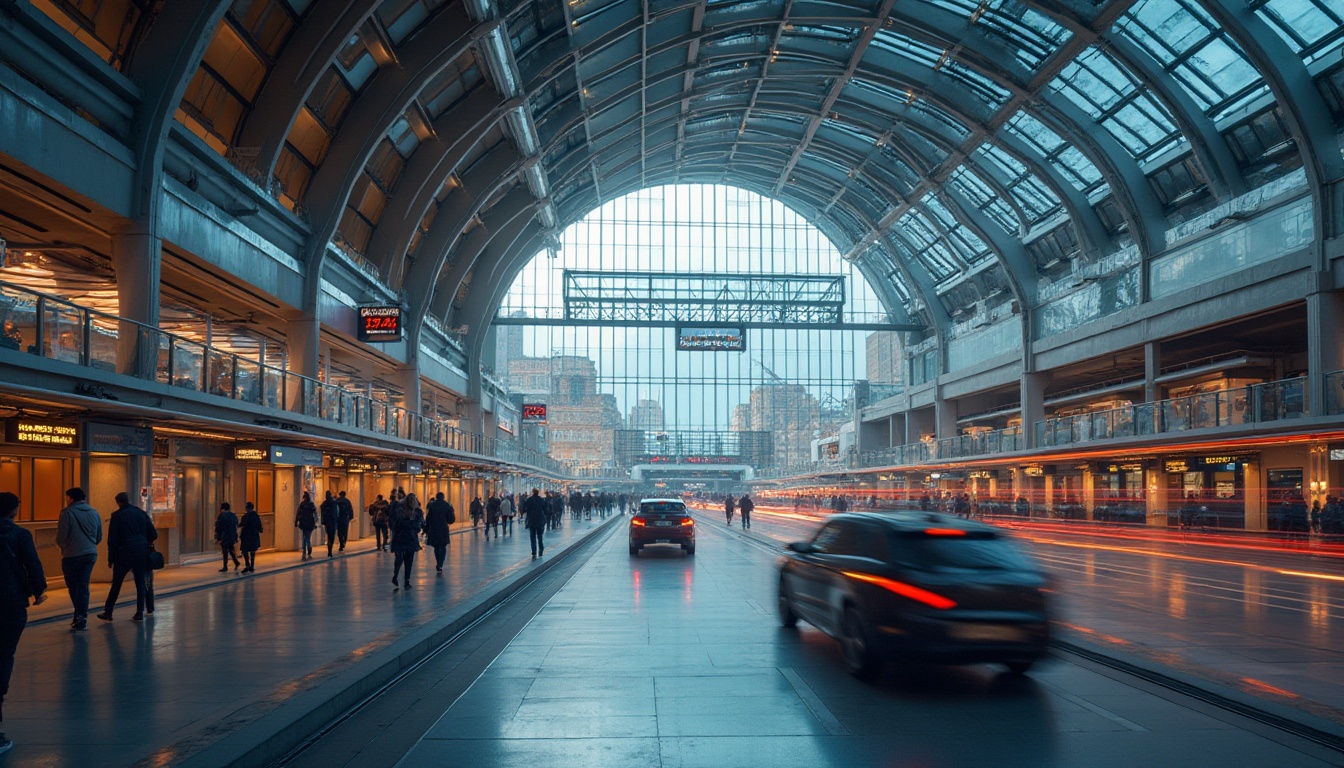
78, 533
345, 513
21, 578
406, 522
492, 508
728, 505
439, 514
745, 506
226, 535
506, 513
378, 516
534, 517
477, 510
249, 534
305, 519
130, 534
330, 512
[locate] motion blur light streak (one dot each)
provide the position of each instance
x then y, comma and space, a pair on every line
905, 590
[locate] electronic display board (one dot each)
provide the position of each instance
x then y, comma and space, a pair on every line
705, 339
534, 413
379, 324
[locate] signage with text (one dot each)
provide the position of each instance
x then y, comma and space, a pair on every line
711, 339
534, 413
379, 324
118, 439
53, 434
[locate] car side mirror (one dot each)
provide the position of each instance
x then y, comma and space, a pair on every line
801, 547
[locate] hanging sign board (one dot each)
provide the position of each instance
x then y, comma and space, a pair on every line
534, 413
698, 339
379, 324
53, 434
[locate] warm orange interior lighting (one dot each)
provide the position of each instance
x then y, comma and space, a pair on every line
905, 590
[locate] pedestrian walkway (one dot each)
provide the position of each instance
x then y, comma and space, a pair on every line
222, 651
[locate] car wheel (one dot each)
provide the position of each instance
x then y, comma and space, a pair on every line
855, 646
1018, 667
787, 618
634, 548
690, 550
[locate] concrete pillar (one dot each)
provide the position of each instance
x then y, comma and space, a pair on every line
303, 342
288, 494
1156, 481
1089, 494
945, 417
1033, 404
137, 258
1152, 368
1325, 347
1256, 517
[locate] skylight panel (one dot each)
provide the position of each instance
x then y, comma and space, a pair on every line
1079, 170
1107, 92
983, 197
1031, 34
1313, 28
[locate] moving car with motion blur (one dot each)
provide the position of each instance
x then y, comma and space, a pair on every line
662, 521
917, 586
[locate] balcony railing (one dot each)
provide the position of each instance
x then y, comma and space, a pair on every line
1253, 404
54, 328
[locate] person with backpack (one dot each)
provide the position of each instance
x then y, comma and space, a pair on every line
378, 516
745, 506
305, 519
439, 514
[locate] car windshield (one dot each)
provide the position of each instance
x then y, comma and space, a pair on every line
929, 553
662, 508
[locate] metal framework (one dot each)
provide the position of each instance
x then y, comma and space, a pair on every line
640, 446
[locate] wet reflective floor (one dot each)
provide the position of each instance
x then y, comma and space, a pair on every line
214, 660
675, 661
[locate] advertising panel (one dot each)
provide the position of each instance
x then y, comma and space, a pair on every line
704, 339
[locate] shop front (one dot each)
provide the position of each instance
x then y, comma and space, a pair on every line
39, 459
1208, 491
1119, 494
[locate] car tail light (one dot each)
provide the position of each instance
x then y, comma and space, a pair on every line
638, 521
687, 521
944, 532
924, 596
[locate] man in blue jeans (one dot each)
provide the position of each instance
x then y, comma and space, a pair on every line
78, 533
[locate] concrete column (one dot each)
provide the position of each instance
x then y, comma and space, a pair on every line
1325, 347
410, 387
1156, 481
945, 417
137, 259
1033, 404
1089, 494
1152, 368
288, 494
1256, 519
304, 336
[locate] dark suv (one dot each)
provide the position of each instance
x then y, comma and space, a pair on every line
662, 521
920, 586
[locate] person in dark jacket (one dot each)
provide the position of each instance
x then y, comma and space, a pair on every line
406, 521
226, 533
305, 519
477, 512
78, 533
130, 533
330, 513
378, 517
439, 514
745, 506
728, 505
534, 517
21, 578
249, 532
492, 516
345, 513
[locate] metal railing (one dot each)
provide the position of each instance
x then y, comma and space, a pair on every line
57, 329
1253, 404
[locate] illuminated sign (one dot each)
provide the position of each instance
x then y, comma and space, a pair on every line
981, 474
360, 465
379, 324
337, 462
118, 439
1034, 471
412, 467
1177, 466
251, 453
711, 339
54, 434
534, 413
506, 423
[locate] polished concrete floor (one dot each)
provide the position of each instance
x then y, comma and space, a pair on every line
213, 660
674, 661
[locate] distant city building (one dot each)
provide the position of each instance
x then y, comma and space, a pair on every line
791, 414
646, 414
581, 422
884, 358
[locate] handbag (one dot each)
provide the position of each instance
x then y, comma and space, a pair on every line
156, 561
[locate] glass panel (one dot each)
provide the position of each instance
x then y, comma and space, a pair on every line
188, 359
248, 381
220, 373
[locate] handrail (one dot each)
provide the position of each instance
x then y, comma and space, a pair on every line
61, 330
